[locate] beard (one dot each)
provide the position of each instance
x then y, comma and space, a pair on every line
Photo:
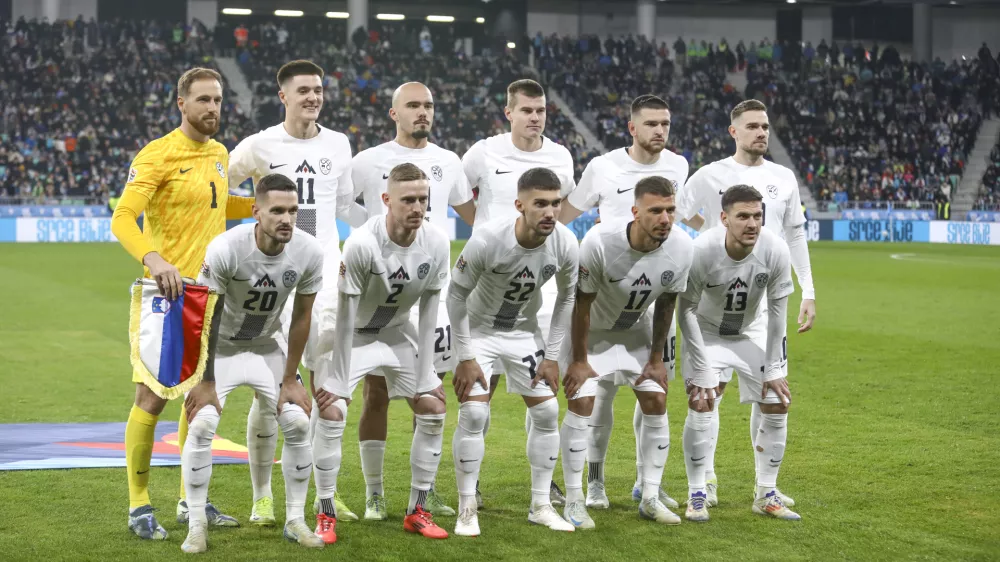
649, 147
204, 128
421, 133
755, 150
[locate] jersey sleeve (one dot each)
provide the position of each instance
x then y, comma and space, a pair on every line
678, 282
585, 196
312, 277
471, 262
345, 184
780, 283
242, 163
147, 172
566, 173
218, 267
569, 269
360, 176
460, 192
472, 164
689, 197
793, 212
695, 281
442, 257
356, 264
591, 269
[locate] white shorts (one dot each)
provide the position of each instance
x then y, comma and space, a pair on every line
519, 353
745, 356
391, 354
444, 355
324, 317
260, 367
544, 318
620, 356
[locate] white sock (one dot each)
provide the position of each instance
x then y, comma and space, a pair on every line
262, 441
372, 459
425, 456
770, 450
574, 438
636, 429
543, 449
467, 449
296, 459
602, 419
327, 447
755, 419
655, 438
196, 462
713, 441
697, 431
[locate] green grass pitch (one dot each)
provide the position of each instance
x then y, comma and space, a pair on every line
892, 453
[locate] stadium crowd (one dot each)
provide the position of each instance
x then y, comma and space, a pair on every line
989, 193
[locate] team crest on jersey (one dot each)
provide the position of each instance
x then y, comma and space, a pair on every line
547, 272
220, 169
289, 278
760, 280
740, 284
772, 190
400, 274
460, 264
132, 173
584, 273
666, 278
525, 273
265, 281
305, 168
641, 281
437, 172
423, 270
325, 165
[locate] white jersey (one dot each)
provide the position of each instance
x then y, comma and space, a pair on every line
776, 183
729, 293
257, 285
320, 166
494, 165
370, 172
608, 182
505, 278
391, 278
627, 281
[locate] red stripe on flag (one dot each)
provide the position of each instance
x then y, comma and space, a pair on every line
195, 301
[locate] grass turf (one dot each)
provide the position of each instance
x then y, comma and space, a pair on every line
892, 450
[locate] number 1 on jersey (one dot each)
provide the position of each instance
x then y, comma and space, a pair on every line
307, 184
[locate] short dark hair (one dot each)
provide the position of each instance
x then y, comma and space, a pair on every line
295, 68
654, 185
745, 106
740, 193
273, 182
193, 75
648, 101
406, 172
538, 178
528, 87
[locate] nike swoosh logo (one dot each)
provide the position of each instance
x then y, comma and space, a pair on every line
238, 279
507, 172
183, 171
713, 286
502, 272
318, 467
385, 176
443, 358
436, 454
259, 436
142, 471
375, 272
620, 191
297, 467
272, 166
577, 450
662, 447
722, 192
553, 458
201, 467
698, 459
466, 460
610, 280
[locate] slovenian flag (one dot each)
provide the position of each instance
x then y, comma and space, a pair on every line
169, 339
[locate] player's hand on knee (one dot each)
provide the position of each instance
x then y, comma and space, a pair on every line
807, 315
701, 399
436, 393
655, 371
576, 375
548, 371
467, 374
293, 392
203, 394
168, 277
780, 387
325, 399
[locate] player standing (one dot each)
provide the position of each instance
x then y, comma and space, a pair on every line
389, 264
318, 160
782, 208
608, 183
413, 112
495, 165
739, 269
493, 302
625, 266
178, 182
255, 268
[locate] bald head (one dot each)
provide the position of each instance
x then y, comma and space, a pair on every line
413, 111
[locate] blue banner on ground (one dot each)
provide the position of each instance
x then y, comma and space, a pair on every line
54, 211
881, 231
34, 446
885, 214
983, 216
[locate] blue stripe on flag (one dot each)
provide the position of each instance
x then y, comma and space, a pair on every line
172, 346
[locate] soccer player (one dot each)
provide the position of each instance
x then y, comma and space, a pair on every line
739, 269
782, 208
389, 264
625, 266
608, 183
318, 160
493, 302
254, 268
495, 165
178, 182
413, 112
